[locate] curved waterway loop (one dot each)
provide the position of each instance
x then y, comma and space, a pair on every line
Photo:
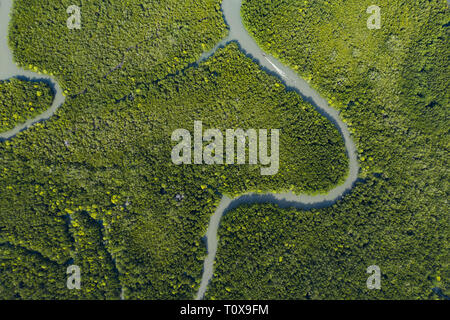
8, 69
232, 13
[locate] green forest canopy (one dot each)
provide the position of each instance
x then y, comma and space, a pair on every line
108, 169
392, 88
22, 100
94, 186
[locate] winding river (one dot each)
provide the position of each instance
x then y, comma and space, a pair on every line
8, 69
231, 11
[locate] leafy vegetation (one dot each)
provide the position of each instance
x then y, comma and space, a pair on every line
22, 100
106, 159
95, 185
152, 38
392, 88
28, 275
139, 42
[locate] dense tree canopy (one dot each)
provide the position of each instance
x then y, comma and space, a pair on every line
104, 164
22, 100
392, 88
95, 185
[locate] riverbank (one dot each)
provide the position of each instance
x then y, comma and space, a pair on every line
237, 32
8, 69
